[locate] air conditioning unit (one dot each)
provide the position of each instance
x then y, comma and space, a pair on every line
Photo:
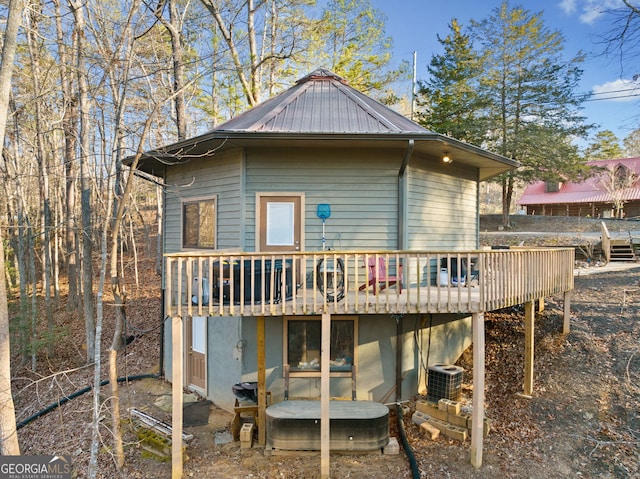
444, 382
195, 290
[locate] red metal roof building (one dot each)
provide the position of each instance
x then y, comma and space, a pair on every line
618, 182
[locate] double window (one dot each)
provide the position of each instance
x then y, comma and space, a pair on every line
303, 344
199, 223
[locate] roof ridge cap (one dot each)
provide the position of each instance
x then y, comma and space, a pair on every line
276, 111
354, 94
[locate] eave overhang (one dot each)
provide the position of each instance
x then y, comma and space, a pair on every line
427, 144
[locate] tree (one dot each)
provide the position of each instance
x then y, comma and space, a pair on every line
529, 91
255, 39
8, 436
350, 40
623, 38
449, 98
617, 180
174, 27
632, 144
606, 146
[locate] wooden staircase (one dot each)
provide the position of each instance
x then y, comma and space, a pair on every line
621, 252
616, 249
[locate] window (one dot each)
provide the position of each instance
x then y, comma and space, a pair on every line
199, 224
303, 342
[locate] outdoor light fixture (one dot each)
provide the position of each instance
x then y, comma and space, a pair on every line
446, 158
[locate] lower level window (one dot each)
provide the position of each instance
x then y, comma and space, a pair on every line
303, 343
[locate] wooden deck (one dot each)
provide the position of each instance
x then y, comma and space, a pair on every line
326, 283
249, 284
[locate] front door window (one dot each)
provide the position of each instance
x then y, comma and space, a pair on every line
280, 224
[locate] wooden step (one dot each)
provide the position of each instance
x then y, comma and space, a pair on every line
622, 252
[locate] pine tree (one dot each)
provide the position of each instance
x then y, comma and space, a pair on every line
449, 100
606, 146
529, 93
350, 40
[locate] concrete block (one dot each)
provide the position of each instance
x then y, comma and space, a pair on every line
429, 430
392, 447
431, 410
419, 417
457, 433
246, 432
453, 407
460, 420
486, 426
441, 425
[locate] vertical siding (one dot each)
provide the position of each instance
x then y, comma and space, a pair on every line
442, 209
360, 185
219, 175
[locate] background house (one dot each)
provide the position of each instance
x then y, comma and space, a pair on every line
255, 183
614, 191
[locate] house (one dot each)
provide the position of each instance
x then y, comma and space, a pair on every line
324, 210
612, 192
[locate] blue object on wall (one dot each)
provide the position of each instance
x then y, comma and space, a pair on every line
324, 211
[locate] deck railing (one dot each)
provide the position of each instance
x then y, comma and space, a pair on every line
337, 282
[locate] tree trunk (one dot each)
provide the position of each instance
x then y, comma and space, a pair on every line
69, 128
43, 177
85, 182
507, 196
233, 49
8, 437
174, 27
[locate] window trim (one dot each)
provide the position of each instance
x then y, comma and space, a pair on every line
199, 199
317, 373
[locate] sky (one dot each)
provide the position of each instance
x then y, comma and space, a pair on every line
415, 24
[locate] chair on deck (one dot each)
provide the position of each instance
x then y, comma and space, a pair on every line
378, 275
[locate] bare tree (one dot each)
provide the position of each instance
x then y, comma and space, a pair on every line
69, 128
623, 38
43, 167
8, 437
174, 27
617, 180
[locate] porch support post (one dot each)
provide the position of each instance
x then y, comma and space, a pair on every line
566, 327
529, 327
477, 415
324, 396
262, 383
176, 392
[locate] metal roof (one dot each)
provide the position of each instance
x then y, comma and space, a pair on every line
321, 102
592, 190
321, 110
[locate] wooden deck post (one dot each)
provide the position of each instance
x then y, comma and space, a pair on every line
529, 327
477, 415
262, 383
566, 328
325, 434
176, 392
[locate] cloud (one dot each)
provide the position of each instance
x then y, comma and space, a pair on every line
617, 90
588, 11
568, 6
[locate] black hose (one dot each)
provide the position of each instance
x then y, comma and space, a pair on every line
74, 395
405, 444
